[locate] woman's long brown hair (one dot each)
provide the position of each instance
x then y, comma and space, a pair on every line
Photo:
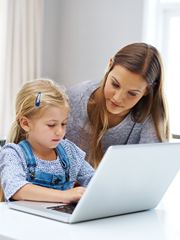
145, 60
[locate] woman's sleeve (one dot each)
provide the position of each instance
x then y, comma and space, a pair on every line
13, 169
148, 133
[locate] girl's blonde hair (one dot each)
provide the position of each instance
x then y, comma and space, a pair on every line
145, 60
51, 95
1, 193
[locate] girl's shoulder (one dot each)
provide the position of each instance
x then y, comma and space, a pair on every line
12, 149
13, 153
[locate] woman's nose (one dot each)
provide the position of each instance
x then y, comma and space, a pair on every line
119, 96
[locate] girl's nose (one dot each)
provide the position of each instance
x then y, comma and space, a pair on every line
59, 131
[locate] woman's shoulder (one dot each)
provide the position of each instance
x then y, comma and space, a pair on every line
80, 88
79, 94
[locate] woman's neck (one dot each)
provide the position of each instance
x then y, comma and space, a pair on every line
94, 96
114, 120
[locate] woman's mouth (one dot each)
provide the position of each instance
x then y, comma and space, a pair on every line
114, 104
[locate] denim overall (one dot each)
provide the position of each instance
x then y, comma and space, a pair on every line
49, 180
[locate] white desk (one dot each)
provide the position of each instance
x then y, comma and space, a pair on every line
159, 224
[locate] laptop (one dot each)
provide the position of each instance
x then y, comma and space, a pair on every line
130, 178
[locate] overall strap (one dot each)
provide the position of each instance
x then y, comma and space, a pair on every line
28, 153
60, 151
56, 181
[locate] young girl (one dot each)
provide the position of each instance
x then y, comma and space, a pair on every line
37, 164
127, 107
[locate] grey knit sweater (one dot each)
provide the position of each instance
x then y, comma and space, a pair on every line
127, 132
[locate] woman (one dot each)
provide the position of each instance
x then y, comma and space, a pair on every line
127, 107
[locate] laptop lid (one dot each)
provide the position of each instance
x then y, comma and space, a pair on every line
130, 178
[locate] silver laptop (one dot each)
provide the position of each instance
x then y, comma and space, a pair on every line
130, 178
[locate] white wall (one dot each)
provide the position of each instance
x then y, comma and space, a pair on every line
80, 36
50, 53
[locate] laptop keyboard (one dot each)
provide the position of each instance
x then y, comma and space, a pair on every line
68, 208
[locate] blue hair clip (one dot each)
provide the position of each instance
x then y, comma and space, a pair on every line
38, 99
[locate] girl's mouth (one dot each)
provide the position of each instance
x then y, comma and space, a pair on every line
56, 140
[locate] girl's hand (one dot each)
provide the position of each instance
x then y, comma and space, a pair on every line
33, 192
72, 195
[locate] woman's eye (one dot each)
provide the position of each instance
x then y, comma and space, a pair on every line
115, 84
132, 94
63, 124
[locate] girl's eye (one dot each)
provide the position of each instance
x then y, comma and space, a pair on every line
49, 125
63, 124
132, 94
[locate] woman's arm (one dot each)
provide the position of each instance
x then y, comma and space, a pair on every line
148, 133
33, 192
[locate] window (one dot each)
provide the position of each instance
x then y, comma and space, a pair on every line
162, 29
3, 29
3, 19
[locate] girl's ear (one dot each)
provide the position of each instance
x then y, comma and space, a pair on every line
24, 122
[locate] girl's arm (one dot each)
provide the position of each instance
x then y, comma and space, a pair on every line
13, 170
79, 165
33, 192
